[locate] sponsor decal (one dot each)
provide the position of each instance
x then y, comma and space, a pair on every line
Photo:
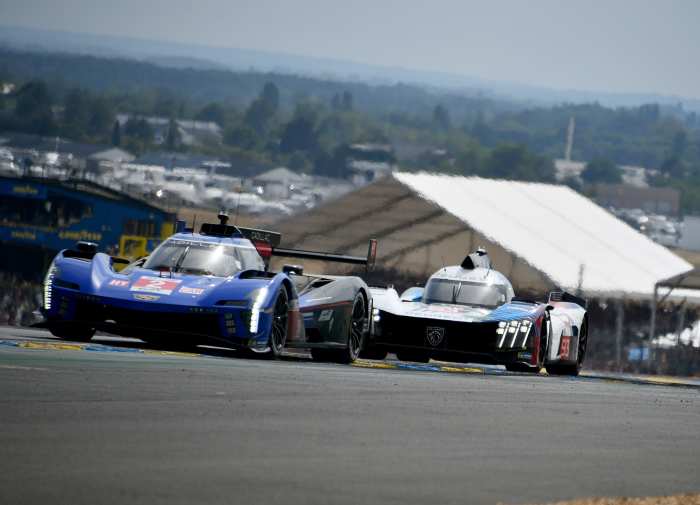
25, 190
146, 298
119, 283
191, 291
157, 285
80, 235
23, 235
434, 335
325, 315
526, 356
564, 347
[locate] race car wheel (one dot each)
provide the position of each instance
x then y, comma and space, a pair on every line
278, 332
411, 355
356, 336
573, 370
74, 332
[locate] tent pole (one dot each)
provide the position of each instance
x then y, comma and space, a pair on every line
652, 324
620, 305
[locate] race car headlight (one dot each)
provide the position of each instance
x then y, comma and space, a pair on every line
258, 298
376, 316
48, 283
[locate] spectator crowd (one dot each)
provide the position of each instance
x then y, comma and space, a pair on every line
19, 298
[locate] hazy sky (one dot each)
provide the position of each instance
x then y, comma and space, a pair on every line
597, 45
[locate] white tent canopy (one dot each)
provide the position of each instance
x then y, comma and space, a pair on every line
540, 235
556, 230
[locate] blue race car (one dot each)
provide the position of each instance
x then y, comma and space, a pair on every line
214, 288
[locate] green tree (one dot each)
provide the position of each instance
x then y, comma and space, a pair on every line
138, 128
347, 101
33, 109
300, 162
76, 112
242, 137
116, 134
173, 139
214, 112
299, 135
101, 117
262, 110
516, 162
336, 102
601, 171
271, 96
441, 117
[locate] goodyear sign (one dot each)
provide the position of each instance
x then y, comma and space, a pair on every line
22, 189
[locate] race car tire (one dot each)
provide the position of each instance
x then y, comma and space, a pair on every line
374, 353
278, 332
573, 370
415, 356
74, 332
356, 337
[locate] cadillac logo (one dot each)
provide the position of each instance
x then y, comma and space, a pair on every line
434, 335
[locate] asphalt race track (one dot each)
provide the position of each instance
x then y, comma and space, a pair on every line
121, 423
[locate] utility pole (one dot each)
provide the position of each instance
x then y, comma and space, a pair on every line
570, 138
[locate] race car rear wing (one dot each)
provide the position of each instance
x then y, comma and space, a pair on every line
563, 296
267, 244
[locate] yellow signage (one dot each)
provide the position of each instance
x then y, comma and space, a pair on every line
23, 235
25, 190
80, 235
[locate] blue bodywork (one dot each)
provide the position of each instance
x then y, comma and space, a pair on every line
235, 310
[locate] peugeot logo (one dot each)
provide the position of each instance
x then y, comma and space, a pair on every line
435, 335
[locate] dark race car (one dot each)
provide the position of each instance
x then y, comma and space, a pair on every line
468, 313
211, 287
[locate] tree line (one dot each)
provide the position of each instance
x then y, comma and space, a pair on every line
308, 124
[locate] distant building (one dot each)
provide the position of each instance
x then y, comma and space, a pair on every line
112, 156
278, 182
664, 201
174, 160
631, 175
369, 162
364, 172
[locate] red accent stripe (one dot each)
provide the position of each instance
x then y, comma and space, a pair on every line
264, 249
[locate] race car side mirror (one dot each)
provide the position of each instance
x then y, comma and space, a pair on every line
293, 269
549, 307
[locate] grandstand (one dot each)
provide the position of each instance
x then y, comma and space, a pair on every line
39, 217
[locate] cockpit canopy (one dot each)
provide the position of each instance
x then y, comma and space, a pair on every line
479, 287
204, 258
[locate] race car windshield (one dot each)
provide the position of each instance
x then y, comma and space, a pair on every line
463, 293
202, 258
